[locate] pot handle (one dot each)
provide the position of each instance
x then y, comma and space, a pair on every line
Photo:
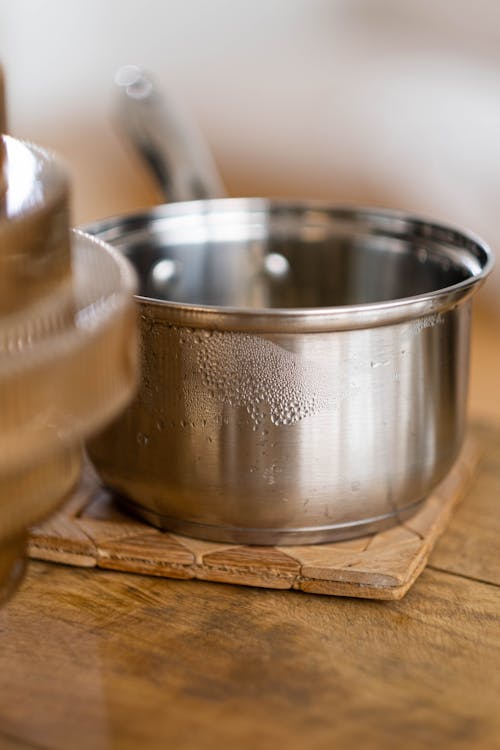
166, 139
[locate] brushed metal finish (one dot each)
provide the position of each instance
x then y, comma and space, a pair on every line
314, 396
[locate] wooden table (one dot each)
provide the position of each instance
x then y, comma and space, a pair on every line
95, 659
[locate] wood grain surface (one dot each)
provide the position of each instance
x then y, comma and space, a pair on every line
471, 544
92, 531
109, 660
101, 659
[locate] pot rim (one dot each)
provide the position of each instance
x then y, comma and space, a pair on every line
388, 222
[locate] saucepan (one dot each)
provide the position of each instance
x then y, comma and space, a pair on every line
304, 367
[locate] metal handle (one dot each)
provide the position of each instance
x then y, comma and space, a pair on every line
166, 139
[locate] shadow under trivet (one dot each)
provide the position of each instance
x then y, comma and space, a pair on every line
92, 531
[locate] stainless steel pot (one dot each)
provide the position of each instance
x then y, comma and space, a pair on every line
304, 367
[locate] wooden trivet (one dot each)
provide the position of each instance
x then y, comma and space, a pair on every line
91, 530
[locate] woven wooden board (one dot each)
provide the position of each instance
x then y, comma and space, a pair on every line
91, 530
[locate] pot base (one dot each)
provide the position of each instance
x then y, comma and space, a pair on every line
271, 537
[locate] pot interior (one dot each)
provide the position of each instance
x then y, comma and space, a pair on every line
254, 254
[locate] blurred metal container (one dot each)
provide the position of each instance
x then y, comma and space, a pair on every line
35, 253
56, 389
68, 344
304, 368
